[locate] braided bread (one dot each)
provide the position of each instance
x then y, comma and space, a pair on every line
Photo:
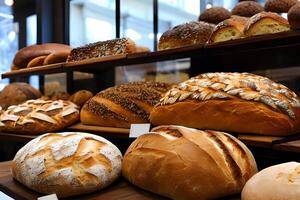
39, 116
237, 102
67, 163
123, 105
184, 163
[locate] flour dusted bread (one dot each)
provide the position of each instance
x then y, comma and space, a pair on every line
67, 164
183, 163
266, 23
123, 105
235, 102
185, 34
278, 182
39, 116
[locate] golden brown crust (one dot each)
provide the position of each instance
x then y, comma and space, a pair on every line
37, 61
185, 34
26, 54
122, 105
184, 163
214, 15
104, 48
266, 23
57, 57
231, 102
141, 49
229, 29
80, 97
247, 8
279, 6
294, 17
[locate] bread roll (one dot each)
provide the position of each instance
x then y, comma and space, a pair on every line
67, 164
80, 97
57, 57
214, 15
38, 61
26, 54
39, 116
279, 6
100, 49
247, 8
16, 93
185, 34
294, 17
266, 23
60, 96
183, 163
123, 105
278, 182
234, 102
229, 29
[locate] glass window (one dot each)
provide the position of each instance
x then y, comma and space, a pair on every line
8, 41
91, 21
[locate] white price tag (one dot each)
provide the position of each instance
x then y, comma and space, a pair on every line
5, 197
137, 130
48, 197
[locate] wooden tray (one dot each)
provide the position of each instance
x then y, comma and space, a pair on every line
120, 190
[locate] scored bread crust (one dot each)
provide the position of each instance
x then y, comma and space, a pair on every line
259, 24
67, 164
229, 29
184, 163
186, 34
26, 54
235, 102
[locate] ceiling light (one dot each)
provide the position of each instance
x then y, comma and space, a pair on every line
9, 2
209, 5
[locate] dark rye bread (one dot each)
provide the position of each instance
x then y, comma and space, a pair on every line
202, 164
123, 105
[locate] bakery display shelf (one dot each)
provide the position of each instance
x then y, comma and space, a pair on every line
253, 53
121, 189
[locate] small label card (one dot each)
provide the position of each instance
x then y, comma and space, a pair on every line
137, 130
48, 197
5, 197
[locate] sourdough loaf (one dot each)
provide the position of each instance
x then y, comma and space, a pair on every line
278, 182
183, 163
38, 116
235, 102
123, 105
185, 34
67, 163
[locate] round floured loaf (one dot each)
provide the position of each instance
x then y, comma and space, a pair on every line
278, 182
39, 116
67, 164
234, 102
183, 163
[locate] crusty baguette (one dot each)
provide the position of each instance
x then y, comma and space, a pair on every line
232, 102
183, 163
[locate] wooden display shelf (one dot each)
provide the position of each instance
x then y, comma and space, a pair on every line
258, 140
247, 54
120, 190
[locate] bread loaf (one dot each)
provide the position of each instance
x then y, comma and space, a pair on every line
185, 34
278, 182
123, 105
39, 116
279, 6
80, 97
183, 163
234, 102
294, 17
67, 164
266, 23
16, 93
100, 49
229, 29
247, 8
214, 15
26, 54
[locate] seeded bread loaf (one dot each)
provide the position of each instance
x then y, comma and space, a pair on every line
39, 116
266, 23
185, 34
123, 105
100, 49
234, 102
183, 163
278, 182
229, 29
67, 164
